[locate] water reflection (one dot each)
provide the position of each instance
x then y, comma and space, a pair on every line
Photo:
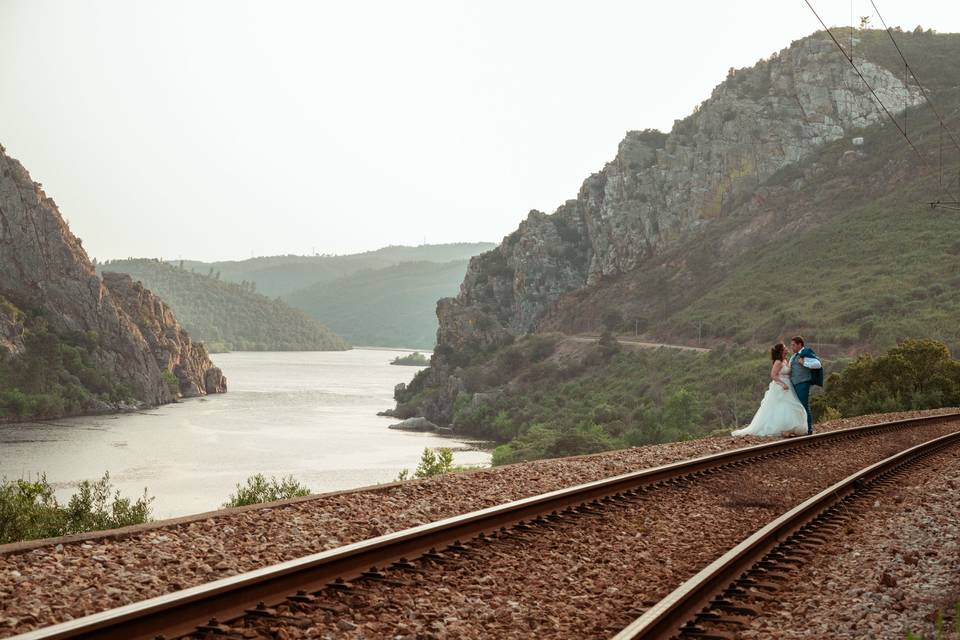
310, 414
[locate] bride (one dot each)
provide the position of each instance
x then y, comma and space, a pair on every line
780, 411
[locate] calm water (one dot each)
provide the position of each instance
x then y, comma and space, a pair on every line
310, 414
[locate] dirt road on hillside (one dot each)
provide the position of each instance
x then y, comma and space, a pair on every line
638, 344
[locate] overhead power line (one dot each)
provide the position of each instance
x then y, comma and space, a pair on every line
923, 90
849, 58
955, 206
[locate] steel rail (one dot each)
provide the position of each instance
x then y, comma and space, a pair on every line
666, 619
181, 612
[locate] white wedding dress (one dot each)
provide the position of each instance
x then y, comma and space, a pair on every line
780, 411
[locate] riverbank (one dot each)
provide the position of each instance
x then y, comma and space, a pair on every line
307, 414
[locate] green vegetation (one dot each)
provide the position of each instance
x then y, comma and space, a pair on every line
543, 396
866, 262
29, 509
56, 373
917, 374
415, 359
390, 307
280, 275
258, 490
229, 316
432, 464
939, 627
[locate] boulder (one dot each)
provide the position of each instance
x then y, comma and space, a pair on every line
414, 424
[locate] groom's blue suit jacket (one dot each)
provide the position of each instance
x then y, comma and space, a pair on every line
817, 374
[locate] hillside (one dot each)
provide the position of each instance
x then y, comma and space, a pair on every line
281, 275
229, 316
785, 203
390, 307
840, 246
71, 343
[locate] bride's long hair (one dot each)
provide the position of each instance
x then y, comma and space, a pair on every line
777, 352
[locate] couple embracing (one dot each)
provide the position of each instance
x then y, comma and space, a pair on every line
785, 408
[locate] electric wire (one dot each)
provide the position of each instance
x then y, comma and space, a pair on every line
883, 107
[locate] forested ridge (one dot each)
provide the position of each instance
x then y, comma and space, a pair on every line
281, 275
229, 316
390, 307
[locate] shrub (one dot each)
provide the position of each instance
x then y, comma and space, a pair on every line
29, 509
431, 464
917, 374
258, 490
415, 359
173, 384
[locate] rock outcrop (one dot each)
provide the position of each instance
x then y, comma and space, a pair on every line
44, 268
170, 344
414, 424
661, 187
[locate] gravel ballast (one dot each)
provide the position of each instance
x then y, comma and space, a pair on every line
586, 576
892, 568
59, 580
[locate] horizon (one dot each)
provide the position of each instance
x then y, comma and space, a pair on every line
254, 130
295, 255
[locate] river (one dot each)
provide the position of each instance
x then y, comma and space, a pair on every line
309, 414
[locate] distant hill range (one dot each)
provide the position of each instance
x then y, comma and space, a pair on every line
384, 298
280, 275
392, 307
229, 316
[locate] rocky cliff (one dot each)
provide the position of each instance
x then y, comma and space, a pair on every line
169, 343
661, 187
44, 270
715, 174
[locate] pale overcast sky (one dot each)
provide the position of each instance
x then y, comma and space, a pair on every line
217, 130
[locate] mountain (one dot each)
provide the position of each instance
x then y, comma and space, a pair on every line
787, 202
71, 343
392, 307
226, 315
280, 275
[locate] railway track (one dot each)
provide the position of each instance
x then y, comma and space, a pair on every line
712, 604
206, 609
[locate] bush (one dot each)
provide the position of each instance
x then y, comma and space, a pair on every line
173, 384
29, 509
917, 374
431, 464
415, 359
259, 490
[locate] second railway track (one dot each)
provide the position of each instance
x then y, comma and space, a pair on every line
436, 578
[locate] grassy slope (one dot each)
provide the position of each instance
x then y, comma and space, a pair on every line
391, 307
880, 272
878, 265
227, 316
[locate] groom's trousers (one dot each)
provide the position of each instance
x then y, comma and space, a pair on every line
803, 394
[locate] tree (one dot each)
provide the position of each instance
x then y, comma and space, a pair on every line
916, 374
612, 320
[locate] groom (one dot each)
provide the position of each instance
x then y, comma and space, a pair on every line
805, 370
